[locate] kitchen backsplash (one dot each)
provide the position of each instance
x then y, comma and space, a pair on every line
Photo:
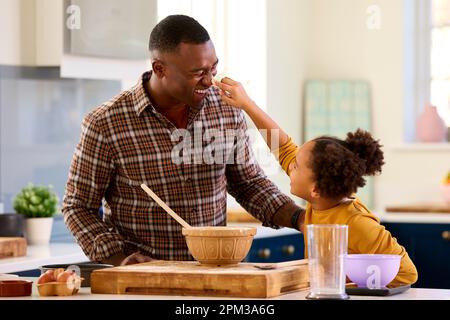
40, 121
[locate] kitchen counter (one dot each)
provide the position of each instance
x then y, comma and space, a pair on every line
55, 253
265, 232
85, 294
37, 256
71, 253
413, 217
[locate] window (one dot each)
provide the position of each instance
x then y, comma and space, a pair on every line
237, 29
427, 67
439, 58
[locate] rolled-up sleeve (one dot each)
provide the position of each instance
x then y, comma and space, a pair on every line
248, 184
89, 175
286, 154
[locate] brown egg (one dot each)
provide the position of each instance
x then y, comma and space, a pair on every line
48, 276
57, 272
72, 280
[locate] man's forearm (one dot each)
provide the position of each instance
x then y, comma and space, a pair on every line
91, 233
283, 216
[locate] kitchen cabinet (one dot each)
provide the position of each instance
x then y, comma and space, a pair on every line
277, 249
428, 245
31, 32
114, 29
101, 39
107, 39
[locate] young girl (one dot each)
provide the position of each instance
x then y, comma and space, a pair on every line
326, 172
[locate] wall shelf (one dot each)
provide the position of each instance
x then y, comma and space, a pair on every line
412, 147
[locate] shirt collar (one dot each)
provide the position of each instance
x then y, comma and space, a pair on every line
142, 101
140, 96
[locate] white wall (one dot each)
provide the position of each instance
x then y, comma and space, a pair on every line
329, 39
17, 21
30, 32
287, 42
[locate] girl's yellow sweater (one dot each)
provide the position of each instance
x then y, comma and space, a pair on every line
365, 233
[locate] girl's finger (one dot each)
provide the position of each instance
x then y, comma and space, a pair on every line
229, 81
225, 92
223, 86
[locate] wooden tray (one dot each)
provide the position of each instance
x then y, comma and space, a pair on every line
189, 278
12, 247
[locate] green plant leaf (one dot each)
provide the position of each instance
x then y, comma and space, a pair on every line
36, 201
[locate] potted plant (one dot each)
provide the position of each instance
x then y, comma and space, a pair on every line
38, 204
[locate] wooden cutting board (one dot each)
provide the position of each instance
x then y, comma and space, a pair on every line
189, 278
12, 247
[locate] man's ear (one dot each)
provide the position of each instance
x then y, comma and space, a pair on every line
158, 68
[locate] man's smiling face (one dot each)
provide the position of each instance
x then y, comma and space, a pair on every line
188, 71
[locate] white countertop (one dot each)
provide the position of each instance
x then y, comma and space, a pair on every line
265, 232
413, 217
37, 256
85, 294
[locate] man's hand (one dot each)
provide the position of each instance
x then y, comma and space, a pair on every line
284, 215
301, 222
135, 258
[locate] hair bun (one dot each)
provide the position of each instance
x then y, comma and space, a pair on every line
366, 148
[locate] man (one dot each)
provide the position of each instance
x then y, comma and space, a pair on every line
131, 140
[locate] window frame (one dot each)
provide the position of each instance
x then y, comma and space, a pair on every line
418, 28
417, 63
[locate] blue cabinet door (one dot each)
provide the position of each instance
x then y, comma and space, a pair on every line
277, 249
429, 248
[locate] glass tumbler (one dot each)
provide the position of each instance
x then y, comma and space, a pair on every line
327, 248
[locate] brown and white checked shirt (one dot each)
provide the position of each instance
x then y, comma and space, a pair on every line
125, 142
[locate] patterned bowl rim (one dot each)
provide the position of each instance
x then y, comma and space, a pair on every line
220, 231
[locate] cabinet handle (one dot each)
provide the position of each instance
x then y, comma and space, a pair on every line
264, 253
446, 235
288, 250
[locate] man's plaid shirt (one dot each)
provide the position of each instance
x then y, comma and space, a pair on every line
125, 142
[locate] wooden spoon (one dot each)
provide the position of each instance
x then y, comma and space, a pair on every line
165, 206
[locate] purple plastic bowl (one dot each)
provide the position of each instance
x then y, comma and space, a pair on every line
372, 270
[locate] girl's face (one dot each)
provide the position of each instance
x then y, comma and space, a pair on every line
302, 177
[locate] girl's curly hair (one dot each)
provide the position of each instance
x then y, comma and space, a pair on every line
339, 165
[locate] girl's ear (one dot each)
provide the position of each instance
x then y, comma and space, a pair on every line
314, 193
158, 68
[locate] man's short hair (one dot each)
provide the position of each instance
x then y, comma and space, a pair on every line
175, 29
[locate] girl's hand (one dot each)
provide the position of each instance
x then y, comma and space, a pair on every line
233, 93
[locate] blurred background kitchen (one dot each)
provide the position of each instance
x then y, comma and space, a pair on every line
317, 67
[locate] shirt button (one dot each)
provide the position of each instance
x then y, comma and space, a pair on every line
188, 180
